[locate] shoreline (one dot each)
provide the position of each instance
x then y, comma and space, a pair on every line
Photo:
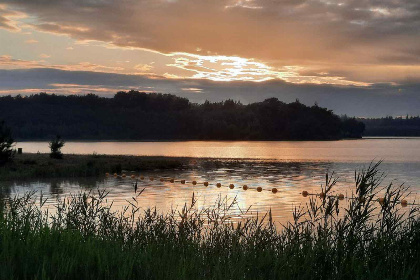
33, 165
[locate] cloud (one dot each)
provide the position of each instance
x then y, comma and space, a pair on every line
7, 62
7, 19
31, 41
312, 34
143, 67
231, 68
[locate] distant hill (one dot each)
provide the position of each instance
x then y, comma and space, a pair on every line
389, 126
151, 116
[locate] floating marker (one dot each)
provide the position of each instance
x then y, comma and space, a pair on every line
245, 187
151, 178
115, 174
172, 180
182, 181
206, 184
341, 196
141, 177
305, 193
322, 195
161, 179
274, 190
231, 186
259, 189
133, 176
381, 200
404, 203
218, 185
194, 183
106, 174
362, 199
123, 175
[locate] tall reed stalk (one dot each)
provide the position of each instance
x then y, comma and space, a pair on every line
84, 239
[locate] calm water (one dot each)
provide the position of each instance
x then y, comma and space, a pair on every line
291, 167
365, 150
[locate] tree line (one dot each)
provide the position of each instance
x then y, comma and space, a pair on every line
137, 115
390, 126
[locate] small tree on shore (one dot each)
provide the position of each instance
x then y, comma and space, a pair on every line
55, 146
6, 144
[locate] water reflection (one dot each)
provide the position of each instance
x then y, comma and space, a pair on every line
364, 150
290, 178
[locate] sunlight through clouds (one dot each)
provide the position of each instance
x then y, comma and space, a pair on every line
234, 68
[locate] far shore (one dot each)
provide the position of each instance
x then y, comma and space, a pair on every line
34, 165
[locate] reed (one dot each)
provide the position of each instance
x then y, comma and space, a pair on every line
326, 239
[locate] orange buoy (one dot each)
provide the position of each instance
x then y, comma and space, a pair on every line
341, 196
172, 180
206, 184
362, 199
106, 174
182, 181
274, 190
231, 186
259, 189
305, 193
322, 195
404, 203
381, 200
245, 187
161, 179
123, 175
115, 174
218, 185
133, 176
141, 177
194, 183
151, 178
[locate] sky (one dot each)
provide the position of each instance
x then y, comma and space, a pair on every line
356, 57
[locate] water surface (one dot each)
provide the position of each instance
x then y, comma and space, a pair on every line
291, 167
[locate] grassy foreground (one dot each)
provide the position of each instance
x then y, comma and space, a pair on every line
84, 239
42, 166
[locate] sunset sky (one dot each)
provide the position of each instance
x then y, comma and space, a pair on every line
359, 57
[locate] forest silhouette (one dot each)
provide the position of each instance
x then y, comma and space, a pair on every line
137, 115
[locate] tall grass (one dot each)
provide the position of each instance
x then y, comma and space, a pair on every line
84, 239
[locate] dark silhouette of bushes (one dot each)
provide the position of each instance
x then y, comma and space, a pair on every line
55, 145
136, 115
6, 144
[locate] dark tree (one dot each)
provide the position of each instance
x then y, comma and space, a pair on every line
137, 115
351, 128
55, 146
6, 144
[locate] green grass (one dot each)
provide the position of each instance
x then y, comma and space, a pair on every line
85, 239
27, 166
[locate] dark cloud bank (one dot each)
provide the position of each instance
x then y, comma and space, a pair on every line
374, 101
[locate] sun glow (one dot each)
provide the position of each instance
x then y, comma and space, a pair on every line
233, 68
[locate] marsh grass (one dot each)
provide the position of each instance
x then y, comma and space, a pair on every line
27, 166
84, 239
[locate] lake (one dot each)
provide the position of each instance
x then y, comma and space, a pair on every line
289, 166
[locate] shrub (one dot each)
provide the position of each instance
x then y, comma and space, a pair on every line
55, 146
6, 144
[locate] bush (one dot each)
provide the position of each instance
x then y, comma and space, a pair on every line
6, 144
55, 146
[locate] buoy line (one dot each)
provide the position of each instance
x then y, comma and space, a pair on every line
322, 195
